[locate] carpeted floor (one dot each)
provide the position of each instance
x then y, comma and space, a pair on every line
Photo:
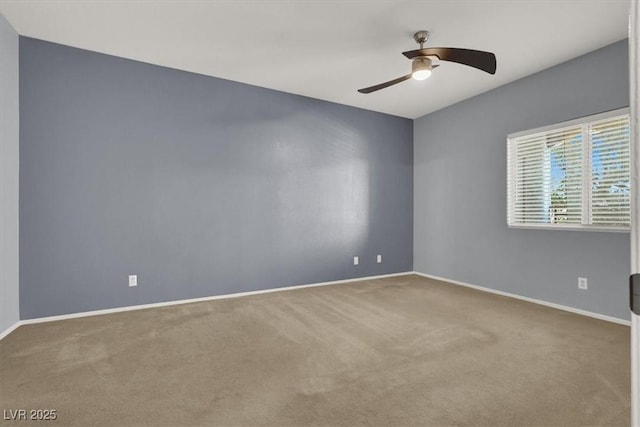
404, 351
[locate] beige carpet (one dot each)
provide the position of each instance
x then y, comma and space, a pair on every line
404, 351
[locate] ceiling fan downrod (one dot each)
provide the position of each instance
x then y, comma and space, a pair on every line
421, 37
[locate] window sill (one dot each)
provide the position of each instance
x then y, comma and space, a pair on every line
572, 227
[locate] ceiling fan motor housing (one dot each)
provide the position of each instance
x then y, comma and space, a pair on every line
421, 63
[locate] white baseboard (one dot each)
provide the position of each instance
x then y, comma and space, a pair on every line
335, 282
192, 300
533, 300
9, 330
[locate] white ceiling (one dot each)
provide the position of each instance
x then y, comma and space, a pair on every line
328, 49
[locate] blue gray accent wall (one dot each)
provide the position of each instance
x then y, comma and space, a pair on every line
460, 190
198, 185
9, 158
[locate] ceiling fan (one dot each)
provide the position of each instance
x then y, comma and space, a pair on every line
423, 61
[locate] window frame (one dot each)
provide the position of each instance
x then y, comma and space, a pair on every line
586, 163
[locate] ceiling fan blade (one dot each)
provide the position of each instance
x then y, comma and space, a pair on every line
485, 61
385, 84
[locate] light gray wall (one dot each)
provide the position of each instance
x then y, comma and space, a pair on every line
9, 148
200, 186
460, 229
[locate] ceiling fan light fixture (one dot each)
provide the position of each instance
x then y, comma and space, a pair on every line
421, 74
420, 68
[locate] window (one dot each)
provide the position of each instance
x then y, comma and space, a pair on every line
571, 175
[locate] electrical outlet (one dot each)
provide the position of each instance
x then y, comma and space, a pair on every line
379, 259
356, 260
133, 280
582, 283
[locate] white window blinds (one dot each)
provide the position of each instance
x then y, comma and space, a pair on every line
610, 182
573, 175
